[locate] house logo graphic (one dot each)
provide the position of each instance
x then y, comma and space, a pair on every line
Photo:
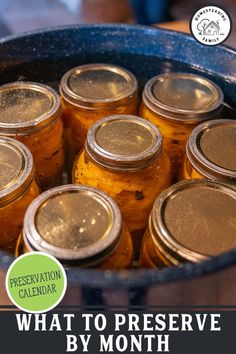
209, 28
210, 25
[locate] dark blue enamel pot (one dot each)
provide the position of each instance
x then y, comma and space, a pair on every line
44, 56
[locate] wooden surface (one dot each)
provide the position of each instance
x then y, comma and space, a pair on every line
181, 26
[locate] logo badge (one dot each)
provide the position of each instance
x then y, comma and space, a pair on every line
36, 282
210, 25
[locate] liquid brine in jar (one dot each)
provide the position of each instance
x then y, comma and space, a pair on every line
124, 157
211, 152
17, 189
31, 113
190, 222
176, 103
91, 92
79, 225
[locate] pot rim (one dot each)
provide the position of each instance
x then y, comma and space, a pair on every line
133, 278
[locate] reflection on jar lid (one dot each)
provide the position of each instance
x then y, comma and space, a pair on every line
194, 220
73, 223
95, 86
183, 97
211, 149
123, 142
16, 168
26, 107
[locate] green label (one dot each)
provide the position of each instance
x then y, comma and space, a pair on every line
36, 282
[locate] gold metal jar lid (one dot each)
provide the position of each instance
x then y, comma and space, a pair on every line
123, 142
194, 220
27, 107
16, 169
183, 97
73, 223
95, 86
211, 149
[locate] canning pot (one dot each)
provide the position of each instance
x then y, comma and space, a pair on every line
44, 56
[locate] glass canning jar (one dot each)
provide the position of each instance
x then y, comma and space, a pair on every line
91, 92
31, 112
211, 152
190, 222
17, 189
123, 156
176, 103
79, 225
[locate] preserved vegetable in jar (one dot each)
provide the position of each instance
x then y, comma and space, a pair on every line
123, 156
31, 113
211, 152
91, 92
80, 226
17, 189
176, 103
190, 222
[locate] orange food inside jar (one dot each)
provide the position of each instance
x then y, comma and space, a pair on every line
150, 256
188, 171
91, 92
21, 247
31, 113
190, 222
123, 156
211, 152
81, 226
17, 189
176, 103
